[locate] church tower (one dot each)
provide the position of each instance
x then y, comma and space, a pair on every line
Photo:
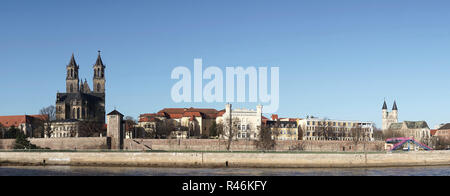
72, 81
99, 75
389, 117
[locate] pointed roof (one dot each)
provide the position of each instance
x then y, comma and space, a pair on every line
115, 112
384, 106
72, 62
99, 61
394, 107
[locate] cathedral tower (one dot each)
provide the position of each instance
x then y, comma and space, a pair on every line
72, 81
99, 75
389, 117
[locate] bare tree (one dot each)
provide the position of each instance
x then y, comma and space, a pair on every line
130, 126
231, 129
90, 128
47, 116
357, 135
377, 133
265, 140
164, 128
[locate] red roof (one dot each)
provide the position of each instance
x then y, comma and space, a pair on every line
188, 112
9, 121
433, 132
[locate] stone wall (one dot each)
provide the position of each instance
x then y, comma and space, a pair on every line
244, 145
80, 143
203, 159
6, 144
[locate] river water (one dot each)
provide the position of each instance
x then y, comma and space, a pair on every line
144, 171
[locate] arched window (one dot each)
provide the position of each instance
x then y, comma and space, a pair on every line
73, 113
98, 87
71, 73
71, 88
78, 113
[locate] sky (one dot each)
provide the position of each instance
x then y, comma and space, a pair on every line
337, 59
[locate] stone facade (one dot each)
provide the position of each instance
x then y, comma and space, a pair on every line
249, 145
79, 103
389, 117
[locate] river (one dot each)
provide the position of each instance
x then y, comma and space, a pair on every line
144, 171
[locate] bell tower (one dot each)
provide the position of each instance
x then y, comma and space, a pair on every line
72, 81
99, 75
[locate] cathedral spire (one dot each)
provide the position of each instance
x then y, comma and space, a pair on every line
394, 107
384, 105
72, 62
99, 61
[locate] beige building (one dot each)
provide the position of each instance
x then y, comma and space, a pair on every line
325, 129
283, 130
419, 130
190, 122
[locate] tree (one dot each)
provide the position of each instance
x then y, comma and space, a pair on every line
23, 143
231, 129
213, 129
164, 129
265, 140
2, 131
89, 128
130, 126
377, 133
357, 135
12, 133
47, 116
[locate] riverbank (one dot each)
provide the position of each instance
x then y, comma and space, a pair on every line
224, 159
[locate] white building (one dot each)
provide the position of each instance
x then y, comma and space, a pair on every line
246, 122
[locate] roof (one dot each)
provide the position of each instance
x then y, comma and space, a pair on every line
115, 112
72, 62
17, 120
409, 125
189, 112
384, 106
446, 126
99, 61
394, 107
433, 132
291, 124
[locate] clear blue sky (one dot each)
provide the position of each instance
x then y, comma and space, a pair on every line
337, 59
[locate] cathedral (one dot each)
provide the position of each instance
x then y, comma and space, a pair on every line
79, 102
389, 117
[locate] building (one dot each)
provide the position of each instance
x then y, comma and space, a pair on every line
245, 123
283, 130
188, 122
444, 132
389, 117
22, 122
418, 130
325, 129
79, 103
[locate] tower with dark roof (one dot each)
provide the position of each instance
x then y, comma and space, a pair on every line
72, 80
99, 75
389, 117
